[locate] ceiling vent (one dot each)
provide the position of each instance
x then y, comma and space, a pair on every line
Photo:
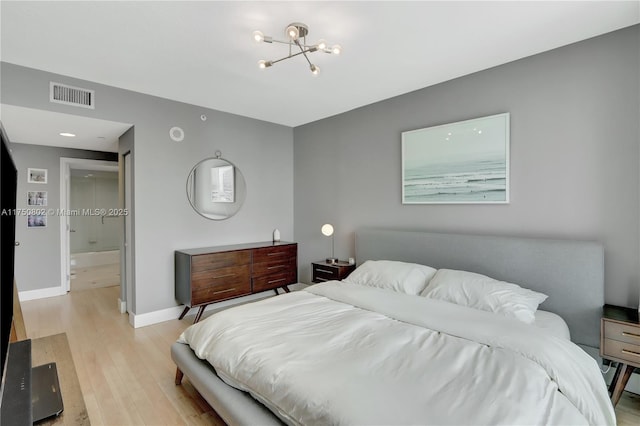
69, 95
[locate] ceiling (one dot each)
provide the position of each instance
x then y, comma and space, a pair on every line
202, 53
38, 127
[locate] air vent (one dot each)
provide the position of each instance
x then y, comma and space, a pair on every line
69, 95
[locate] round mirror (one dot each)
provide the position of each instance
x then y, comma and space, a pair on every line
216, 188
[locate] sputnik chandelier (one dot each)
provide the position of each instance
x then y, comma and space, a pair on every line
296, 34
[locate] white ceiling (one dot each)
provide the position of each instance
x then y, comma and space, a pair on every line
32, 126
202, 53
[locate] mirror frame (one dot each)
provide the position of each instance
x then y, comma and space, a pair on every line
238, 195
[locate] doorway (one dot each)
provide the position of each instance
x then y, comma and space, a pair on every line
94, 243
91, 230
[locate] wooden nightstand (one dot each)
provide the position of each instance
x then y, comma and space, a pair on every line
323, 271
620, 342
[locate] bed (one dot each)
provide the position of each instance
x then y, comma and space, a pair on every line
481, 367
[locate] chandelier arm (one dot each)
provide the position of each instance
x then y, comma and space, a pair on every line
306, 46
304, 52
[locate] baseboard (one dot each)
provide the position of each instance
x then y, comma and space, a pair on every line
122, 306
41, 293
168, 314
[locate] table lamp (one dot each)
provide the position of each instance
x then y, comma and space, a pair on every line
327, 230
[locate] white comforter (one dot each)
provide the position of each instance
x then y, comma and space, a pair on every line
347, 354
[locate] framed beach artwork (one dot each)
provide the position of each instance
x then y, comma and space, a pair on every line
36, 175
458, 163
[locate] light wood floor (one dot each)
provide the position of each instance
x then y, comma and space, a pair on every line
91, 277
126, 374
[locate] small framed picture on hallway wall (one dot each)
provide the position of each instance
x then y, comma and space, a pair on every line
37, 198
36, 175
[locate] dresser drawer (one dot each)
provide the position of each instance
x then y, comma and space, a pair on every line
206, 262
209, 295
274, 266
275, 253
220, 277
209, 286
623, 351
621, 332
274, 280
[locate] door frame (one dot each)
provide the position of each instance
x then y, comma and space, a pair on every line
66, 164
125, 301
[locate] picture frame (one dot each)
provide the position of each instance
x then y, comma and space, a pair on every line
36, 221
36, 175
36, 198
465, 162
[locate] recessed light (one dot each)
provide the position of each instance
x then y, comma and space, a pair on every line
68, 135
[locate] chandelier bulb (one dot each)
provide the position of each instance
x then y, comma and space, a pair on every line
322, 44
292, 32
262, 64
258, 36
336, 49
315, 70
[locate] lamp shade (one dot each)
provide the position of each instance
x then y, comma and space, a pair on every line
327, 229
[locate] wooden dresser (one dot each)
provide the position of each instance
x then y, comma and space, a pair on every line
212, 274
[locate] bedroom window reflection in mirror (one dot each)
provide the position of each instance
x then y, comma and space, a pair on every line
222, 184
216, 188
458, 163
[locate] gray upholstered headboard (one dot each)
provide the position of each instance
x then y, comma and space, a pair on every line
570, 272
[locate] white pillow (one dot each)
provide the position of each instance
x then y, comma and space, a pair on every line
484, 293
410, 278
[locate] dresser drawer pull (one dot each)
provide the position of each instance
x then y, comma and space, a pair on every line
224, 276
276, 281
224, 291
321, 279
626, 351
625, 333
325, 271
277, 266
277, 253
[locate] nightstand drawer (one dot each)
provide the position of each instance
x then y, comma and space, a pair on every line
324, 273
622, 332
622, 351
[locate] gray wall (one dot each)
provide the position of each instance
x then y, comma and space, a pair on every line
574, 158
38, 255
163, 219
